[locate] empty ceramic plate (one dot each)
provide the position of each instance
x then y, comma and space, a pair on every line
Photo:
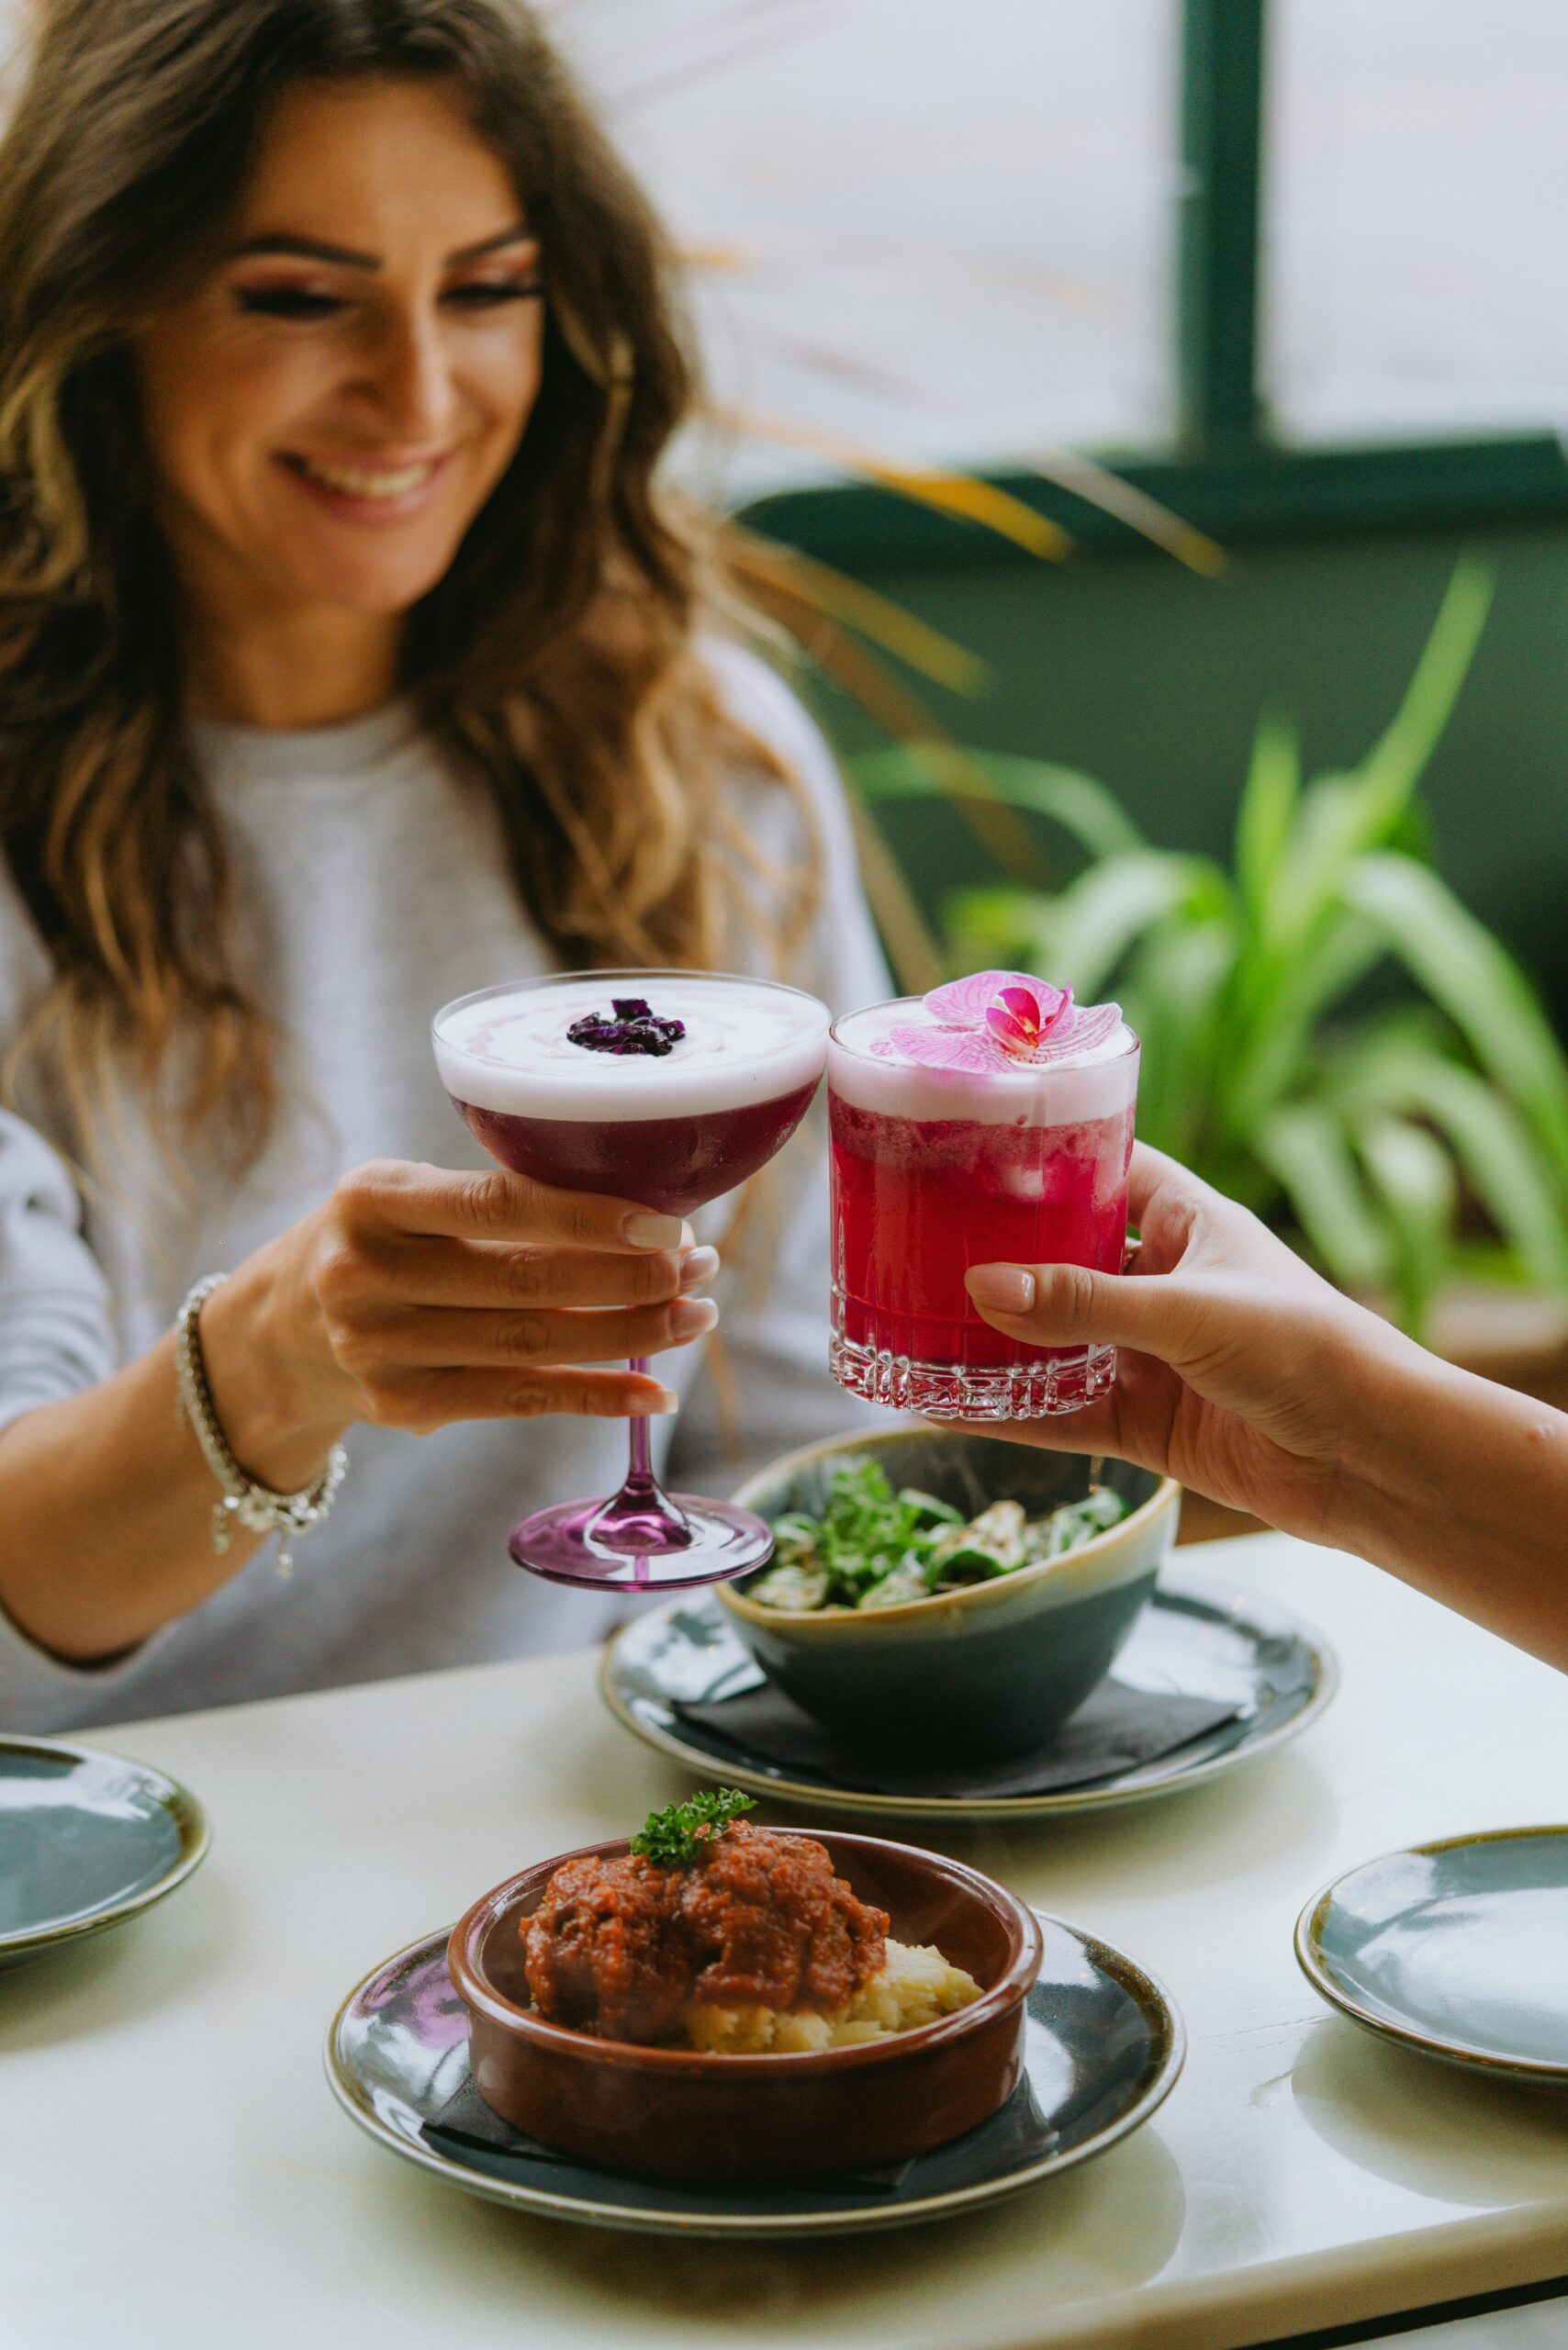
87, 1839
1454, 1948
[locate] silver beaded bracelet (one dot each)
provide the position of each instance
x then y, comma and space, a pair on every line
245, 1502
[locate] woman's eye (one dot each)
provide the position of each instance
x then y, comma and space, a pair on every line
487, 294
286, 302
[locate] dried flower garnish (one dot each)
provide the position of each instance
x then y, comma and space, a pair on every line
634, 1027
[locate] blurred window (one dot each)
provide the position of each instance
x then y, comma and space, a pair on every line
1416, 227
932, 230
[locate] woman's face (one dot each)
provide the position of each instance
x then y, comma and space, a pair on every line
327, 413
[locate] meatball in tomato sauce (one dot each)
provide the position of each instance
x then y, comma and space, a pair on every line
621, 1947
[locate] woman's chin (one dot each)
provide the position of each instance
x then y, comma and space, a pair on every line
378, 588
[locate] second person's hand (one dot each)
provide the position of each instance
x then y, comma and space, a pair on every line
1240, 1371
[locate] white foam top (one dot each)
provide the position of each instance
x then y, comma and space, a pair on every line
1099, 1083
508, 1049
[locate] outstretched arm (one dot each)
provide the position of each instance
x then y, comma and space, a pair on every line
1248, 1377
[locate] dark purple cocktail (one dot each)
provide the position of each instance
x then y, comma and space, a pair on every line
557, 1086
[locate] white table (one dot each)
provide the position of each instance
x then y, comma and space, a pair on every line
174, 2171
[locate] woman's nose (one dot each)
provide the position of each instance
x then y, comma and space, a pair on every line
413, 377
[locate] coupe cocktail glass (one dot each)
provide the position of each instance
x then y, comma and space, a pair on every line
668, 1132
961, 1141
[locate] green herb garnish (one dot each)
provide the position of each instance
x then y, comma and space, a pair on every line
674, 1838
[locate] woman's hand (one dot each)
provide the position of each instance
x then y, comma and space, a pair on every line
1243, 1375
414, 1297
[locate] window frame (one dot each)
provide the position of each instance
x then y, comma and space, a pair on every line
1225, 472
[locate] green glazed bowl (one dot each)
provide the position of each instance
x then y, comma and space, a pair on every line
979, 1673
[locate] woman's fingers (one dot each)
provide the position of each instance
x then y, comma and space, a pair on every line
498, 1206
497, 1276
440, 1336
421, 1401
1066, 1305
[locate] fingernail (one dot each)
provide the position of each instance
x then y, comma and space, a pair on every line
648, 1407
699, 1265
691, 1316
645, 1230
1005, 1289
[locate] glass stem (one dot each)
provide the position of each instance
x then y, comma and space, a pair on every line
640, 1516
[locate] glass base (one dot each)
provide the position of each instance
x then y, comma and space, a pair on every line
1017, 1390
572, 1542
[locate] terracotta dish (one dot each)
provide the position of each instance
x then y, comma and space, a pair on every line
676, 2113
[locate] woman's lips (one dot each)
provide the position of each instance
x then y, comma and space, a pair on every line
378, 493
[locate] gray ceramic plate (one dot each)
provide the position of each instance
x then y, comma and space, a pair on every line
1193, 1637
86, 1841
1104, 2046
1454, 1948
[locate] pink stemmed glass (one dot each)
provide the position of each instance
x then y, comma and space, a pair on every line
670, 1130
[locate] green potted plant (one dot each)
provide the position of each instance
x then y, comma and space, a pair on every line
1401, 1137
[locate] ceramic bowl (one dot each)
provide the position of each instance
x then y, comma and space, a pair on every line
678, 2113
985, 1672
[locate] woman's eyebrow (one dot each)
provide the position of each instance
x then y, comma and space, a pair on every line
519, 233
304, 249
345, 257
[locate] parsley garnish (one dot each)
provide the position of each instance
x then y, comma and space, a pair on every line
674, 1838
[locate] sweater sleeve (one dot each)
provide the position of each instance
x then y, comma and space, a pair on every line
56, 1338
766, 1387
56, 1332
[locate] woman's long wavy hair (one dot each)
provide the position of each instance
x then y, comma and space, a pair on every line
556, 659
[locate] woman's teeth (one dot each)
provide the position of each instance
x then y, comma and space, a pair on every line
354, 483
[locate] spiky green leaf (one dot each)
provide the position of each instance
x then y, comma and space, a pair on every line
1084, 808
1306, 1149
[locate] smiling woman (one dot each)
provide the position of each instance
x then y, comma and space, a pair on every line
327, 419
350, 660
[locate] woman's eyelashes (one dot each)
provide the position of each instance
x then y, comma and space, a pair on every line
303, 302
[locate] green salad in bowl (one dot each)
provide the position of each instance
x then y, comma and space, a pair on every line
945, 1592
873, 1547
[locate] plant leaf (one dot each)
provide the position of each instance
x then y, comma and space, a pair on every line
1267, 803
966, 497
1270, 1047
1306, 1150
820, 589
1414, 1177
1476, 981
1094, 921
1175, 999
1343, 815
1082, 806
1396, 762
1401, 1069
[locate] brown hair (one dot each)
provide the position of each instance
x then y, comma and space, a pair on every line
555, 658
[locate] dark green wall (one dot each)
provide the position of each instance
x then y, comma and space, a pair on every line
1153, 678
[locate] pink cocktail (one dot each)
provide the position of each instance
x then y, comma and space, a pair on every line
957, 1142
562, 1082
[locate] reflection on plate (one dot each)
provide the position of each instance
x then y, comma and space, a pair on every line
1454, 1948
1104, 2048
86, 1841
1194, 1636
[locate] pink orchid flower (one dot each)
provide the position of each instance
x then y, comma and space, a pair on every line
998, 1020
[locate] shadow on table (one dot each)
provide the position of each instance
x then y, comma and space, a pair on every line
1101, 2229
92, 1987
1425, 2125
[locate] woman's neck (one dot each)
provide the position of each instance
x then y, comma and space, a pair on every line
292, 669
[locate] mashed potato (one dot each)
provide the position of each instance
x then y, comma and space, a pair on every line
916, 1987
